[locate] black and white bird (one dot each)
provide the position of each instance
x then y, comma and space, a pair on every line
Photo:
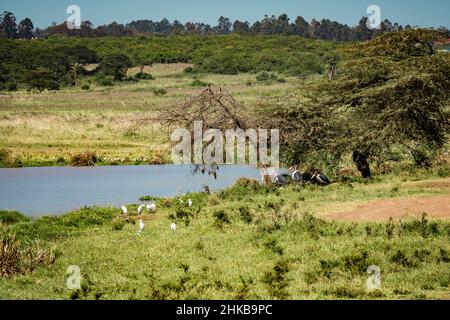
320, 178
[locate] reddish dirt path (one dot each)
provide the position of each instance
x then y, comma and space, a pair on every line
437, 207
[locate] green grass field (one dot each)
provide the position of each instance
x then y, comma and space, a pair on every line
247, 242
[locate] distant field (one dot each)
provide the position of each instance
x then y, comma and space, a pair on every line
41, 127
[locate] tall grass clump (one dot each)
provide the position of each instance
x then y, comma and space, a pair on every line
85, 159
14, 259
7, 160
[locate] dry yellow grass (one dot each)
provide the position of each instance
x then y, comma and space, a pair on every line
42, 126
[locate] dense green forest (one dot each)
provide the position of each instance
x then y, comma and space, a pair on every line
57, 61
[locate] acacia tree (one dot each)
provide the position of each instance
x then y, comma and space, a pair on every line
392, 90
143, 60
116, 65
79, 56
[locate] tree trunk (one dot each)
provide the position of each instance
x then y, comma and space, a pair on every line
74, 74
360, 159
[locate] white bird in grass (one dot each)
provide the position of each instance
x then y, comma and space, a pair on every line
173, 227
151, 207
125, 213
190, 203
141, 227
139, 210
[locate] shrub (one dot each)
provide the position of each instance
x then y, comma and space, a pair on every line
199, 83
276, 280
221, 218
86, 159
272, 245
105, 82
159, 91
9, 161
182, 214
188, 70
245, 215
118, 224
144, 76
17, 260
266, 77
7, 216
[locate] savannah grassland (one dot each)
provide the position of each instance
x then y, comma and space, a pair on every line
49, 128
246, 242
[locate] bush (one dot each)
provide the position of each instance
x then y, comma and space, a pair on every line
51, 228
118, 224
7, 216
41, 79
245, 215
144, 76
86, 159
276, 280
105, 82
17, 260
159, 91
188, 70
221, 218
198, 83
9, 161
266, 77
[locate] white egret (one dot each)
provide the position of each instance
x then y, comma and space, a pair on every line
139, 210
151, 207
173, 227
125, 213
141, 227
190, 203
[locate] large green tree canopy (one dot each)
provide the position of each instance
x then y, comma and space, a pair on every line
390, 91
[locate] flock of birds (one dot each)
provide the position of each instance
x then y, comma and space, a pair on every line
296, 176
282, 179
151, 207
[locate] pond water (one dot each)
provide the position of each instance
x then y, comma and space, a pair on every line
58, 190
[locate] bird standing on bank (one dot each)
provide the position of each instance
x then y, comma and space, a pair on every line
141, 227
125, 213
296, 175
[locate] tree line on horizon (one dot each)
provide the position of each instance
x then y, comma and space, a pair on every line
324, 29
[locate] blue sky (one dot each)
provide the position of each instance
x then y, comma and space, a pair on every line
430, 13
